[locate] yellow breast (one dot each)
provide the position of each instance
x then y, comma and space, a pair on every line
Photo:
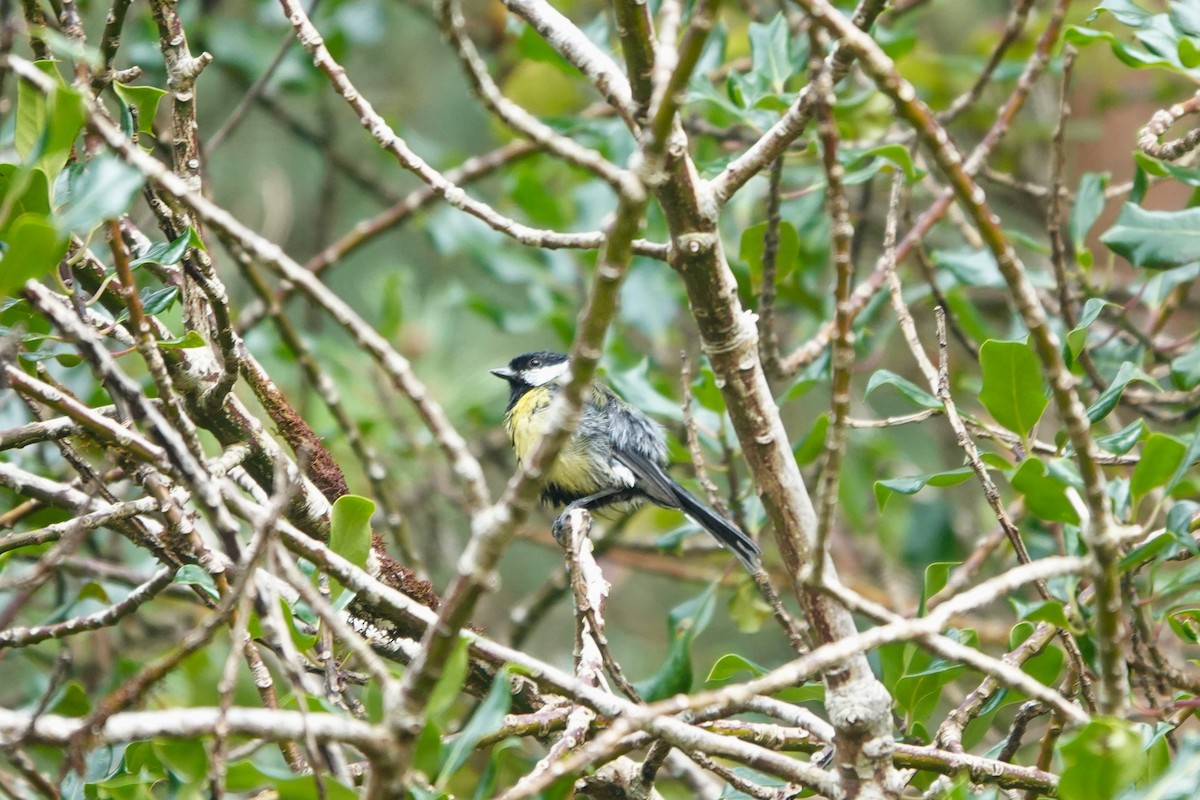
526, 420
573, 472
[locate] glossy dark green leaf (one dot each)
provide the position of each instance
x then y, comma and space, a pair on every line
33, 247
1185, 369
350, 532
154, 301
865, 164
488, 717
684, 623
813, 443
1189, 458
22, 190
1052, 611
1126, 12
145, 99
31, 113
1101, 760
193, 575
302, 639
936, 576
188, 341
1155, 239
449, 685
1185, 623
1077, 337
1161, 456
247, 777
1127, 373
787, 253
166, 253
1129, 55
103, 190
47, 125
1122, 441
1089, 204
971, 268
1045, 494
730, 666
906, 387
1180, 521
769, 51
912, 484
1012, 385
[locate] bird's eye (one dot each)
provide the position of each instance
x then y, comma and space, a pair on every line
535, 362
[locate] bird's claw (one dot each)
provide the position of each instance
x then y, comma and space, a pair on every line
559, 528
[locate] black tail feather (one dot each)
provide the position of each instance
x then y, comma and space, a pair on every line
725, 532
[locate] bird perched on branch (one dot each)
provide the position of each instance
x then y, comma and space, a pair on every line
616, 457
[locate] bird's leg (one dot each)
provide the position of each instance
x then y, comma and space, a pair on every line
601, 498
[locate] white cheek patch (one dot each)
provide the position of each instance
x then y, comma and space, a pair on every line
540, 376
623, 474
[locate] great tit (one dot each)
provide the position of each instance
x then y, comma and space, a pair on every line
616, 457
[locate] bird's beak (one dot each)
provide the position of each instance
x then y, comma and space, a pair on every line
503, 372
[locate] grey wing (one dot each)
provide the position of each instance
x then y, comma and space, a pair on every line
631, 431
649, 476
640, 444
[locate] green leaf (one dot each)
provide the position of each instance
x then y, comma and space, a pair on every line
906, 387
936, 576
1077, 337
154, 302
1045, 493
303, 640
729, 666
1155, 239
1186, 624
1189, 458
1101, 760
166, 253
912, 484
1127, 54
487, 719
31, 112
813, 444
971, 268
747, 608
1012, 385
245, 777
193, 575
1052, 611
862, 164
188, 341
787, 255
1127, 373
1161, 456
1126, 12
47, 125
145, 99
449, 685
103, 190
350, 532
1185, 369
684, 624
920, 688
22, 190
33, 247
769, 51
1089, 204
1122, 441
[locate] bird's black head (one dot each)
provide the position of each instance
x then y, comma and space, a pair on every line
534, 369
